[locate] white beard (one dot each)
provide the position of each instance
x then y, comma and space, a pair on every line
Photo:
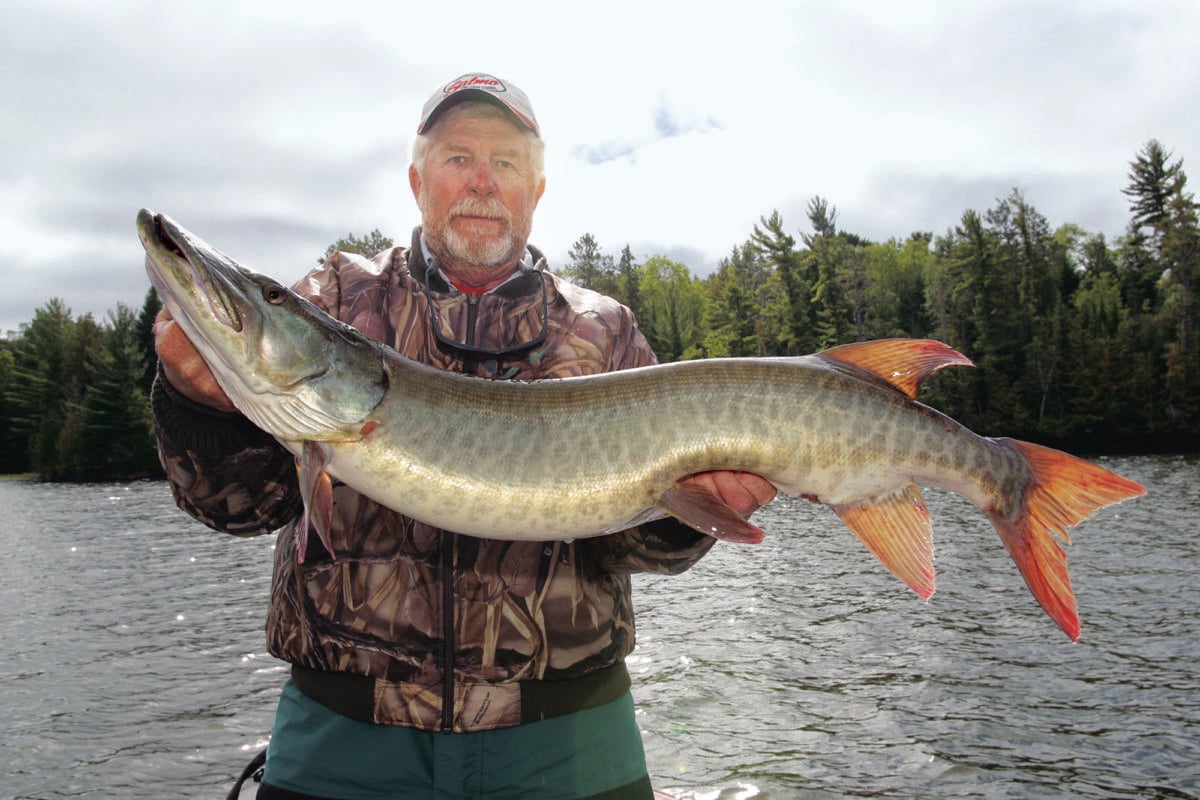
483, 251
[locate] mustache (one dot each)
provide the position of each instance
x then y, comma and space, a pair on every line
480, 207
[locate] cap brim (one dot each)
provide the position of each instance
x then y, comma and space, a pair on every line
449, 101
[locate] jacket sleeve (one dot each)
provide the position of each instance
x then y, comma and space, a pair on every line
223, 470
664, 546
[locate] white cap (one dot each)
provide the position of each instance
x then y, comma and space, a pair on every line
478, 85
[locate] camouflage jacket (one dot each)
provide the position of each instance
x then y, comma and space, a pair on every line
443, 631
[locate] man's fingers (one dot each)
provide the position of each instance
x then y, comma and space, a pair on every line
184, 367
759, 487
744, 492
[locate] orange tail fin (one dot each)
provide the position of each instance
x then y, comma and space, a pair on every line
1063, 492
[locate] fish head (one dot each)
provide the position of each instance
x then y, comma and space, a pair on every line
294, 370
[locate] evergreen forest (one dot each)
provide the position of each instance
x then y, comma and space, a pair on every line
1079, 342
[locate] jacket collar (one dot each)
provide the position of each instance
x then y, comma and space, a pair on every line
423, 266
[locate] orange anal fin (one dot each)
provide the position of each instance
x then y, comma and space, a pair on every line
896, 528
902, 363
316, 489
699, 508
1064, 491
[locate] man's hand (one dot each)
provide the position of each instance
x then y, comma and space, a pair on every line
744, 492
184, 367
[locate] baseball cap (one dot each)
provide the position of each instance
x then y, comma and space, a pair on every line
478, 85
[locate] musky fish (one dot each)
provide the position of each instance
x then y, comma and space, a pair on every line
485, 458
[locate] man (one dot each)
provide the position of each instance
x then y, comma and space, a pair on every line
516, 649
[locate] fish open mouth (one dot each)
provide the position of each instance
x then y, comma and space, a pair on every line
156, 229
166, 238
200, 267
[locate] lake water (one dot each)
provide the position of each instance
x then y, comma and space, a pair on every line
132, 662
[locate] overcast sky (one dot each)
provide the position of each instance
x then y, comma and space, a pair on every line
272, 128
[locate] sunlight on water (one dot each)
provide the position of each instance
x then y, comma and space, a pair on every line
133, 660
824, 677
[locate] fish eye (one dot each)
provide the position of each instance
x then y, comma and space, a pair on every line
274, 294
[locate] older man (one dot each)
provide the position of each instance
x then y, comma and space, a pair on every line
514, 649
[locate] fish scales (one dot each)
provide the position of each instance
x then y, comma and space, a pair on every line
809, 429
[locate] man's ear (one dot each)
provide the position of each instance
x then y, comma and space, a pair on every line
414, 180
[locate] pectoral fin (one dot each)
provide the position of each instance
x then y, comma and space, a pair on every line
316, 489
896, 528
701, 509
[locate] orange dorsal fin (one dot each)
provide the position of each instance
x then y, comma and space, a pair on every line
901, 363
896, 528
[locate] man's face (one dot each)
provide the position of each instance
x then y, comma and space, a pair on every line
477, 192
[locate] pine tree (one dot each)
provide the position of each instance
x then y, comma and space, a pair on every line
13, 451
374, 242
145, 338
797, 274
1161, 202
1153, 179
674, 309
590, 267
40, 385
628, 277
116, 434
734, 316
840, 286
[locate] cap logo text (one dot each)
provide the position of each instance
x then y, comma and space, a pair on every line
474, 82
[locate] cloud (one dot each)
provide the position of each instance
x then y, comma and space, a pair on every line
668, 123
606, 152
271, 129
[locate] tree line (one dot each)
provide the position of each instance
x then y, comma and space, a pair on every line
1078, 342
74, 395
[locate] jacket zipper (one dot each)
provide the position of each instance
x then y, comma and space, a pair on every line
448, 543
472, 313
448, 579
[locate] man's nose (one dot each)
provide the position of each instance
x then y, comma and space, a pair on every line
483, 181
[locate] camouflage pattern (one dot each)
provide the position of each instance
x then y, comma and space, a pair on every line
430, 615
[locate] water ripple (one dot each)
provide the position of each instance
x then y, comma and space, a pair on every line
823, 677
133, 662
